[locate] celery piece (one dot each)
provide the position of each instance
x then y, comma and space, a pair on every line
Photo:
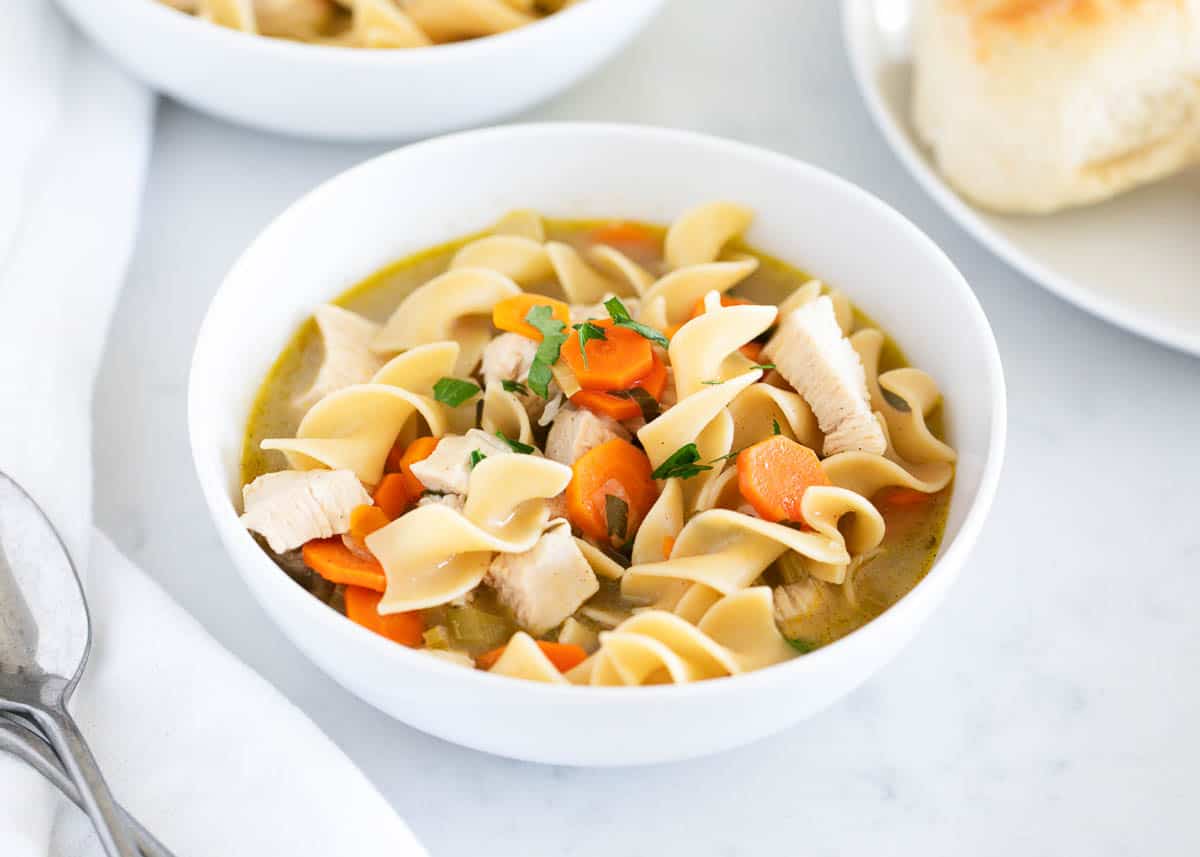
473, 628
437, 637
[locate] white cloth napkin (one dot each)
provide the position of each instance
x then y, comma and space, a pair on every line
202, 750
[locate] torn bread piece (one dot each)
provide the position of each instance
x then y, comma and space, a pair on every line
1036, 105
810, 351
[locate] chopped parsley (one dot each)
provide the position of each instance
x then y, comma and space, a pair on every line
775, 429
476, 457
454, 391
681, 463
587, 332
622, 318
645, 401
514, 387
801, 646
541, 317
616, 512
763, 366
516, 445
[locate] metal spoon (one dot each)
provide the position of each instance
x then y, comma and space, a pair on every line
21, 739
45, 637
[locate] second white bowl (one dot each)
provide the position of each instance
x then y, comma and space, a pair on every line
426, 194
339, 93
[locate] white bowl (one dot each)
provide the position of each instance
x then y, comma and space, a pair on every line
356, 94
434, 191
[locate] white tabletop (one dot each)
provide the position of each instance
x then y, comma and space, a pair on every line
1050, 707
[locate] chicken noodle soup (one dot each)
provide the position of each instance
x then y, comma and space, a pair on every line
372, 23
601, 453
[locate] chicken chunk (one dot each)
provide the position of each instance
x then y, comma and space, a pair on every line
546, 584
577, 430
508, 358
292, 507
448, 469
810, 351
454, 501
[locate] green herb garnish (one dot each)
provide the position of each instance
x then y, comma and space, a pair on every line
763, 366
616, 511
775, 429
516, 445
622, 318
646, 402
801, 646
587, 332
681, 463
514, 387
542, 318
454, 391
476, 457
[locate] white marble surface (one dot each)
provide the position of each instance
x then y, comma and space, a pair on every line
1051, 707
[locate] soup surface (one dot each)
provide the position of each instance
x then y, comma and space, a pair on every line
372, 23
599, 452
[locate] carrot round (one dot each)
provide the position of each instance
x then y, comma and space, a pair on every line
399, 490
753, 350
621, 407
365, 520
564, 656
335, 562
633, 239
509, 314
899, 496
614, 363
773, 475
616, 468
362, 606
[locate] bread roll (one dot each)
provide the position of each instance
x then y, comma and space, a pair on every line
1037, 105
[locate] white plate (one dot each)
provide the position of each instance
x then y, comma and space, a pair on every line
1134, 260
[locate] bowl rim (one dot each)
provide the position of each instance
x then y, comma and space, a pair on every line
189, 26
941, 574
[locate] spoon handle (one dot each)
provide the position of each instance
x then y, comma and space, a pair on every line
22, 741
80, 765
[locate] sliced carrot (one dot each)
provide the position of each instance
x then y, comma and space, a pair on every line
564, 656
753, 350
335, 562
773, 475
394, 459
616, 468
397, 491
621, 407
607, 405
365, 520
614, 363
634, 238
509, 314
362, 606
898, 496
668, 546
391, 495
